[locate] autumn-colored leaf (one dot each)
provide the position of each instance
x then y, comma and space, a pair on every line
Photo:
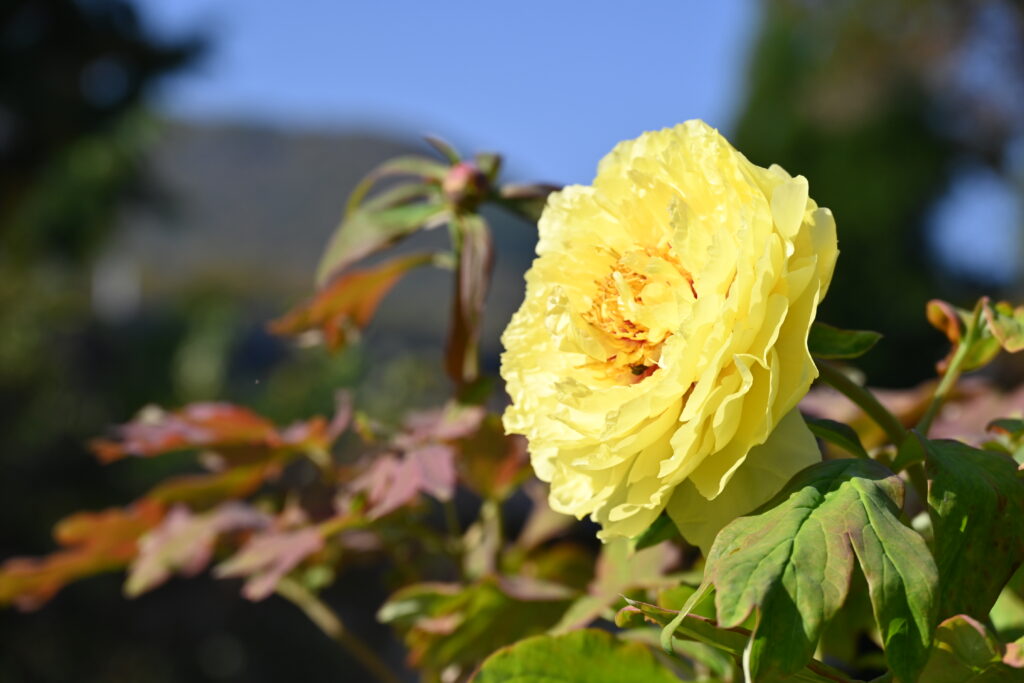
1006, 324
94, 542
198, 425
183, 543
347, 303
267, 557
527, 201
959, 326
476, 260
453, 421
237, 435
205, 490
493, 463
393, 481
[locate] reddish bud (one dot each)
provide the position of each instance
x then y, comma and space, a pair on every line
465, 185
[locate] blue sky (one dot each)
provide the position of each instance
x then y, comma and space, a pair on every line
552, 84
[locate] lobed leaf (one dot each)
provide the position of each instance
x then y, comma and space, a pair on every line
965, 652
348, 302
702, 629
183, 543
1006, 324
393, 481
956, 324
95, 542
588, 655
198, 425
792, 562
237, 434
268, 556
976, 503
826, 341
452, 627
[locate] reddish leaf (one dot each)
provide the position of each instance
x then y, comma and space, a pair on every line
184, 543
206, 490
476, 259
236, 434
526, 200
347, 303
394, 481
946, 318
449, 423
199, 425
954, 323
268, 557
493, 463
94, 542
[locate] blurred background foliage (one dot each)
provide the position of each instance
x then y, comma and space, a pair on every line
128, 241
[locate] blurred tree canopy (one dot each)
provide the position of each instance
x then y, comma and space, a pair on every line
879, 103
73, 76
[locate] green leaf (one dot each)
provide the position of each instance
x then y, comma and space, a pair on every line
420, 167
451, 627
960, 325
976, 502
1007, 615
663, 529
444, 148
839, 434
366, 231
704, 630
619, 571
527, 201
347, 303
792, 562
965, 652
1007, 426
489, 164
1006, 324
588, 655
826, 341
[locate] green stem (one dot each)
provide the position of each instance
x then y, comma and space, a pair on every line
328, 622
952, 374
864, 399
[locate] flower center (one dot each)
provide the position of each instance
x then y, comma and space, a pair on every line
636, 307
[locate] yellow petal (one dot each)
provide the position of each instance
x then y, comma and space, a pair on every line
789, 449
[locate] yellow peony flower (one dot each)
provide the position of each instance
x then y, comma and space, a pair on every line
660, 352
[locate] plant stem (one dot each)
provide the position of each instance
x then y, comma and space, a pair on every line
864, 399
329, 622
952, 374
